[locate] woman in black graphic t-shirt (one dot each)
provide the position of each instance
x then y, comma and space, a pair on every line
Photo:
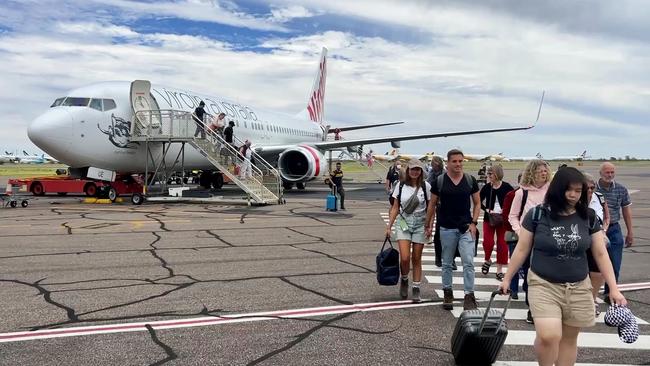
558, 235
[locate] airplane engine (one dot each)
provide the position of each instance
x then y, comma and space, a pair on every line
301, 163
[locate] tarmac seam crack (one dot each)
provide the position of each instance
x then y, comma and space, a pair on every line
334, 258
218, 237
344, 302
171, 355
47, 296
162, 224
65, 225
153, 252
309, 235
299, 338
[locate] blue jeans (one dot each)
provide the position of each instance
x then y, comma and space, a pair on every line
514, 284
450, 240
615, 249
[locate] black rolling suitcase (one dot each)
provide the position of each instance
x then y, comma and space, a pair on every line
479, 335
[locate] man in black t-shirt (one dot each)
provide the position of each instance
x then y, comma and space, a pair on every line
228, 132
392, 176
198, 115
456, 191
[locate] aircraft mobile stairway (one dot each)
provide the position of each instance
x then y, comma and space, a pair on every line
263, 186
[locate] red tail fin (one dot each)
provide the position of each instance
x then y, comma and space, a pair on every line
316, 103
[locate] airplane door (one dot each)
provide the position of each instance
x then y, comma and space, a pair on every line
142, 100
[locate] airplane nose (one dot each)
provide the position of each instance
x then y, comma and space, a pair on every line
52, 132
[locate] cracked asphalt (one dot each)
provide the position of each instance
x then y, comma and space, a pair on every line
64, 264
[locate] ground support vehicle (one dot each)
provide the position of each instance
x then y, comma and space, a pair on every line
63, 185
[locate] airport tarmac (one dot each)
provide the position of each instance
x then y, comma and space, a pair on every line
233, 285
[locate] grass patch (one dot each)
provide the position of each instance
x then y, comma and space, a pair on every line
29, 170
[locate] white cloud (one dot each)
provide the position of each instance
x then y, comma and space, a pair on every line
478, 70
285, 14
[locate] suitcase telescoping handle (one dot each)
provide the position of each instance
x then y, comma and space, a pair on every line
487, 311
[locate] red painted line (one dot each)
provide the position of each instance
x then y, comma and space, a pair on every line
51, 333
315, 155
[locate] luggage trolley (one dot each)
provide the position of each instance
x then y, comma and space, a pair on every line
11, 198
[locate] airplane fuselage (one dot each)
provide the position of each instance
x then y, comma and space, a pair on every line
85, 132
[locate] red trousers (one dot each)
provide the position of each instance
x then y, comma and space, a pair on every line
488, 242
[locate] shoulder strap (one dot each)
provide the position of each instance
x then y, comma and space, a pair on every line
524, 198
424, 191
399, 195
439, 183
592, 219
469, 179
601, 198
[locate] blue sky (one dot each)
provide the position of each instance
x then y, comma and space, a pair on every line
439, 65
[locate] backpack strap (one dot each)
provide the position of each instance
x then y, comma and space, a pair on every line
424, 191
524, 198
469, 179
399, 195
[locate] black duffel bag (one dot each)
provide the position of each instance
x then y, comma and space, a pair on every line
388, 265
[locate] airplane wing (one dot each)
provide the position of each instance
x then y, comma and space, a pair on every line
361, 127
329, 145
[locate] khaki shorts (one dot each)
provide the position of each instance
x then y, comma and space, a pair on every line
571, 302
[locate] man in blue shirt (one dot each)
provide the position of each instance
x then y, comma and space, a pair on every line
618, 200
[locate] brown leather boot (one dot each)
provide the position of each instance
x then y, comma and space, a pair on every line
448, 301
470, 302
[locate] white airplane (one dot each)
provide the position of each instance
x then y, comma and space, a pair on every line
90, 127
580, 157
8, 158
32, 159
394, 154
526, 158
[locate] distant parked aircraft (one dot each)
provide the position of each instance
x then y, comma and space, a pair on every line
394, 154
526, 158
580, 157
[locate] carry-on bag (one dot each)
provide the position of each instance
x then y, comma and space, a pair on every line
331, 201
388, 265
479, 335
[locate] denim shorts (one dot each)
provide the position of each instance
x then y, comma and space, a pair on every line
415, 231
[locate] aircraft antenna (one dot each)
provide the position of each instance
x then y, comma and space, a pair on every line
539, 111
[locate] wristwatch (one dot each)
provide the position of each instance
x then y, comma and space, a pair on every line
475, 222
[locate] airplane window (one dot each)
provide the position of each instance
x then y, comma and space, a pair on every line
57, 102
96, 104
109, 104
76, 102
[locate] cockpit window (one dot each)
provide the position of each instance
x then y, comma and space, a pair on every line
96, 104
57, 102
76, 102
109, 104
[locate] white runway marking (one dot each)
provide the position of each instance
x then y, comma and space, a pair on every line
585, 340
520, 314
534, 363
480, 281
204, 321
481, 296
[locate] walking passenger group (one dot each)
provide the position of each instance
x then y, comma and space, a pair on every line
560, 234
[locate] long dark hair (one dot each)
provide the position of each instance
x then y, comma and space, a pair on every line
556, 195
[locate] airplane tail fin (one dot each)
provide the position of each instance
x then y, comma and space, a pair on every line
316, 101
25, 152
584, 154
539, 156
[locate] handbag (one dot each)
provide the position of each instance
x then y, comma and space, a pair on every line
388, 265
494, 219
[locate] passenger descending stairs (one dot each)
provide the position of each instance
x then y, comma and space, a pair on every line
263, 186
